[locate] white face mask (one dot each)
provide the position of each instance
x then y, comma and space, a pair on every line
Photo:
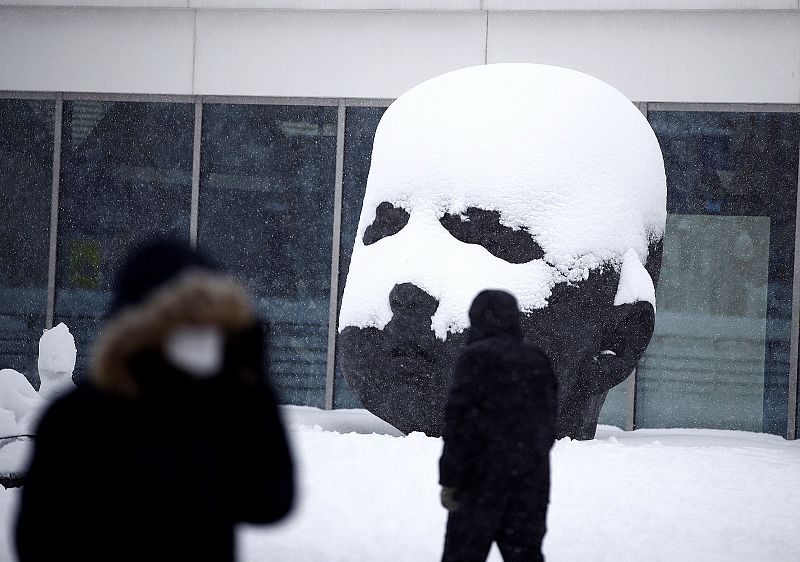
198, 350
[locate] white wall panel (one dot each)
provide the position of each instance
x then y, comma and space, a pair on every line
360, 54
532, 5
657, 56
100, 3
339, 4
435, 5
416, 5
661, 56
96, 50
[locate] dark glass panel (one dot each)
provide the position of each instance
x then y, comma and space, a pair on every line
26, 176
720, 354
126, 171
615, 408
266, 214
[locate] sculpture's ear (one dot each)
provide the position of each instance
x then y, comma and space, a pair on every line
625, 339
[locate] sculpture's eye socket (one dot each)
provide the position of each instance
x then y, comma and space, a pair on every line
478, 226
389, 220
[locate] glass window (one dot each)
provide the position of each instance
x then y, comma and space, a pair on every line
615, 408
26, 176
719, 357
126, 170
360, 126
266, 214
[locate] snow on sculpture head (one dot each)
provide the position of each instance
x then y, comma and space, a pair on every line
534, 179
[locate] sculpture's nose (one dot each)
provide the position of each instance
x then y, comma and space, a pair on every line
409, 300
410, 331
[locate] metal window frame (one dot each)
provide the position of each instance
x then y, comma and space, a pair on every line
58, 118
367, 102
791, 418
342, 104
266, 100
12, 95
333, 302
630, 397
142, 98
194, 206
722, 107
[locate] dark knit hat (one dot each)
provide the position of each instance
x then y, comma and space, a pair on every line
494, 313
150, 266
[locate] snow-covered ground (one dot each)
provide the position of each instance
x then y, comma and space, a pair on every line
645, 495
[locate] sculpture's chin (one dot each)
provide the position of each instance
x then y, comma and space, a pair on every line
579, 419
408, 390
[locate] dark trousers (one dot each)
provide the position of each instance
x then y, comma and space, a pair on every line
516, 521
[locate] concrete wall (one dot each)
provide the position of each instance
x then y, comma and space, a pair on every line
429, 5
356, 54
734, 51
663, 56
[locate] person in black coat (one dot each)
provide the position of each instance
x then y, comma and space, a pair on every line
500, 423
177, 436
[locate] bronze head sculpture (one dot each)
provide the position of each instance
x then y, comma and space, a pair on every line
538, 180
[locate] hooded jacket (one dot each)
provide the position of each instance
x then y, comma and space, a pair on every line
147, 462
501, 411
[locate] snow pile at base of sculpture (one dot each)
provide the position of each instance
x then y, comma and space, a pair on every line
559, 154
689, 495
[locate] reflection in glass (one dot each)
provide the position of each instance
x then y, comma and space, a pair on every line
615, 408
720, 353
26, 175
360, 126
266, 215
125, 176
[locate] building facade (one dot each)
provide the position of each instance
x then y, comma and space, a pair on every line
246, 126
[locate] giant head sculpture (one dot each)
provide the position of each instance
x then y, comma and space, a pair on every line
538, 180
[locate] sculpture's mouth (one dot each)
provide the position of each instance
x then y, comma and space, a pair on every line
402, 379
413, 351
410, 380
415, 372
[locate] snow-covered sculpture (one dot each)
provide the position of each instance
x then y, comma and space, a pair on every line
57, 354
538, 180
19, 404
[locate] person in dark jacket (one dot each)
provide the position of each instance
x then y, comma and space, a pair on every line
500, 423
177, 436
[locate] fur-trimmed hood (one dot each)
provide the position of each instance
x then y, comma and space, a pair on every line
196, 297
